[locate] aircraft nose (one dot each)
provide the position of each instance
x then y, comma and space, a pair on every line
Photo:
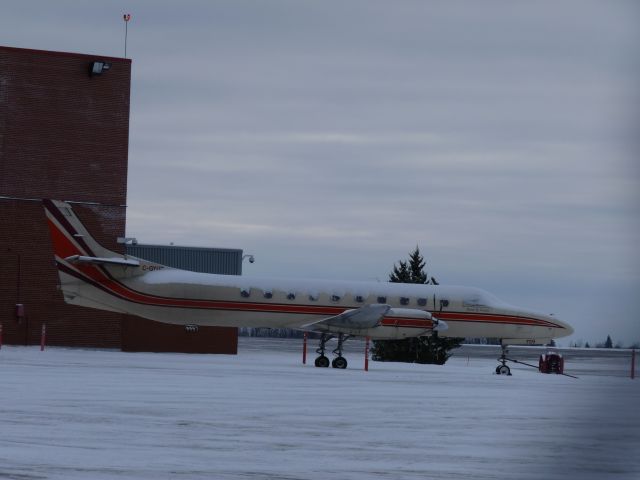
569, 329
565, 330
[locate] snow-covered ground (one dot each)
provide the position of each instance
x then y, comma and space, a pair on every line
96, 414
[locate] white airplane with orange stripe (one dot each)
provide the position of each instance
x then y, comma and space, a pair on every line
93, 276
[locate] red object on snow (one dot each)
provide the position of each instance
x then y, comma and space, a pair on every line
366, 354
551, 362
304, 348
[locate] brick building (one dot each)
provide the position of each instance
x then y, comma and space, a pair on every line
64, 134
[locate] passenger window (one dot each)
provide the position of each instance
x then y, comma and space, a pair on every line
404, 300
291, 296
422, 302
245, 292
268, 294
359, 298
335, 298
382, 299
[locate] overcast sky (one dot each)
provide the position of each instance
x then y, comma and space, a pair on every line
330, 138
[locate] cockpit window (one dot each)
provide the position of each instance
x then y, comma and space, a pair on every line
480, 299
474, 301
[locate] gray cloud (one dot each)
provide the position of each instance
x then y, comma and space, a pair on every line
331, 138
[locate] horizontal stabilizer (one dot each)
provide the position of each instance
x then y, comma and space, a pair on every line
102, 261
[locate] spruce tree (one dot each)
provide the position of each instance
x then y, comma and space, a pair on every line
416, 267
430, 349
411, 271
401, 273
609, 342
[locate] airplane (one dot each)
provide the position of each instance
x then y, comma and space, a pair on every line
93, 276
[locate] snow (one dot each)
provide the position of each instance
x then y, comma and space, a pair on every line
307, 285
101, 414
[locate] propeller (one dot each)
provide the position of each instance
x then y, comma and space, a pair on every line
440, 325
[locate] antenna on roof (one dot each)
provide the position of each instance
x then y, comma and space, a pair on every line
126, 17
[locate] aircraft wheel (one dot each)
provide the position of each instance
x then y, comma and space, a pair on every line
322, 361
503, 370
339, 362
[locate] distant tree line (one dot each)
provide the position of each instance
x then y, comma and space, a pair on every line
272, 332
608, 343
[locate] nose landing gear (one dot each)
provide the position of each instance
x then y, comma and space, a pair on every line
503, 368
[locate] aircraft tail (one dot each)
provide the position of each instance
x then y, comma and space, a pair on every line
69, 235
87, 269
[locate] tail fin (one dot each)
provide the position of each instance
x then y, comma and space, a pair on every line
69, 236
85, 267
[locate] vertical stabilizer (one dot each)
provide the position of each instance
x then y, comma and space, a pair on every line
68, 235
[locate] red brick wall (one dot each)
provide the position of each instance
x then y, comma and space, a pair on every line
139, 334
65, 135
30, 277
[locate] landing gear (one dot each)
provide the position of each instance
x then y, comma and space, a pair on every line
503, 369
338, 362
322, 361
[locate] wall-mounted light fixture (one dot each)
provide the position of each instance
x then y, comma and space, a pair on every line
98, 68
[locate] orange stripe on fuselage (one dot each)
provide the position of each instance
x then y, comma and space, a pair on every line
117, 289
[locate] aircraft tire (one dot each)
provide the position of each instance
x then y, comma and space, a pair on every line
503, 370
322, 361
339, 362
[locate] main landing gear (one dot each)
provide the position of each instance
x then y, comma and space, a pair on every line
338, 362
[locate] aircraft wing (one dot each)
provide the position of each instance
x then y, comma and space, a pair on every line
367, 316
371, 316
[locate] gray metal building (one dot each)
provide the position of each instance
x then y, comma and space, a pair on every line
226, 261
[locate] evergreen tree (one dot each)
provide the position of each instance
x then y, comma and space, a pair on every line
586, 345
609, 342
400, 274
416, 267
431, 349
411, 271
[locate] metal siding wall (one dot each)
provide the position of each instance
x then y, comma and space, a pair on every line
206, 260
